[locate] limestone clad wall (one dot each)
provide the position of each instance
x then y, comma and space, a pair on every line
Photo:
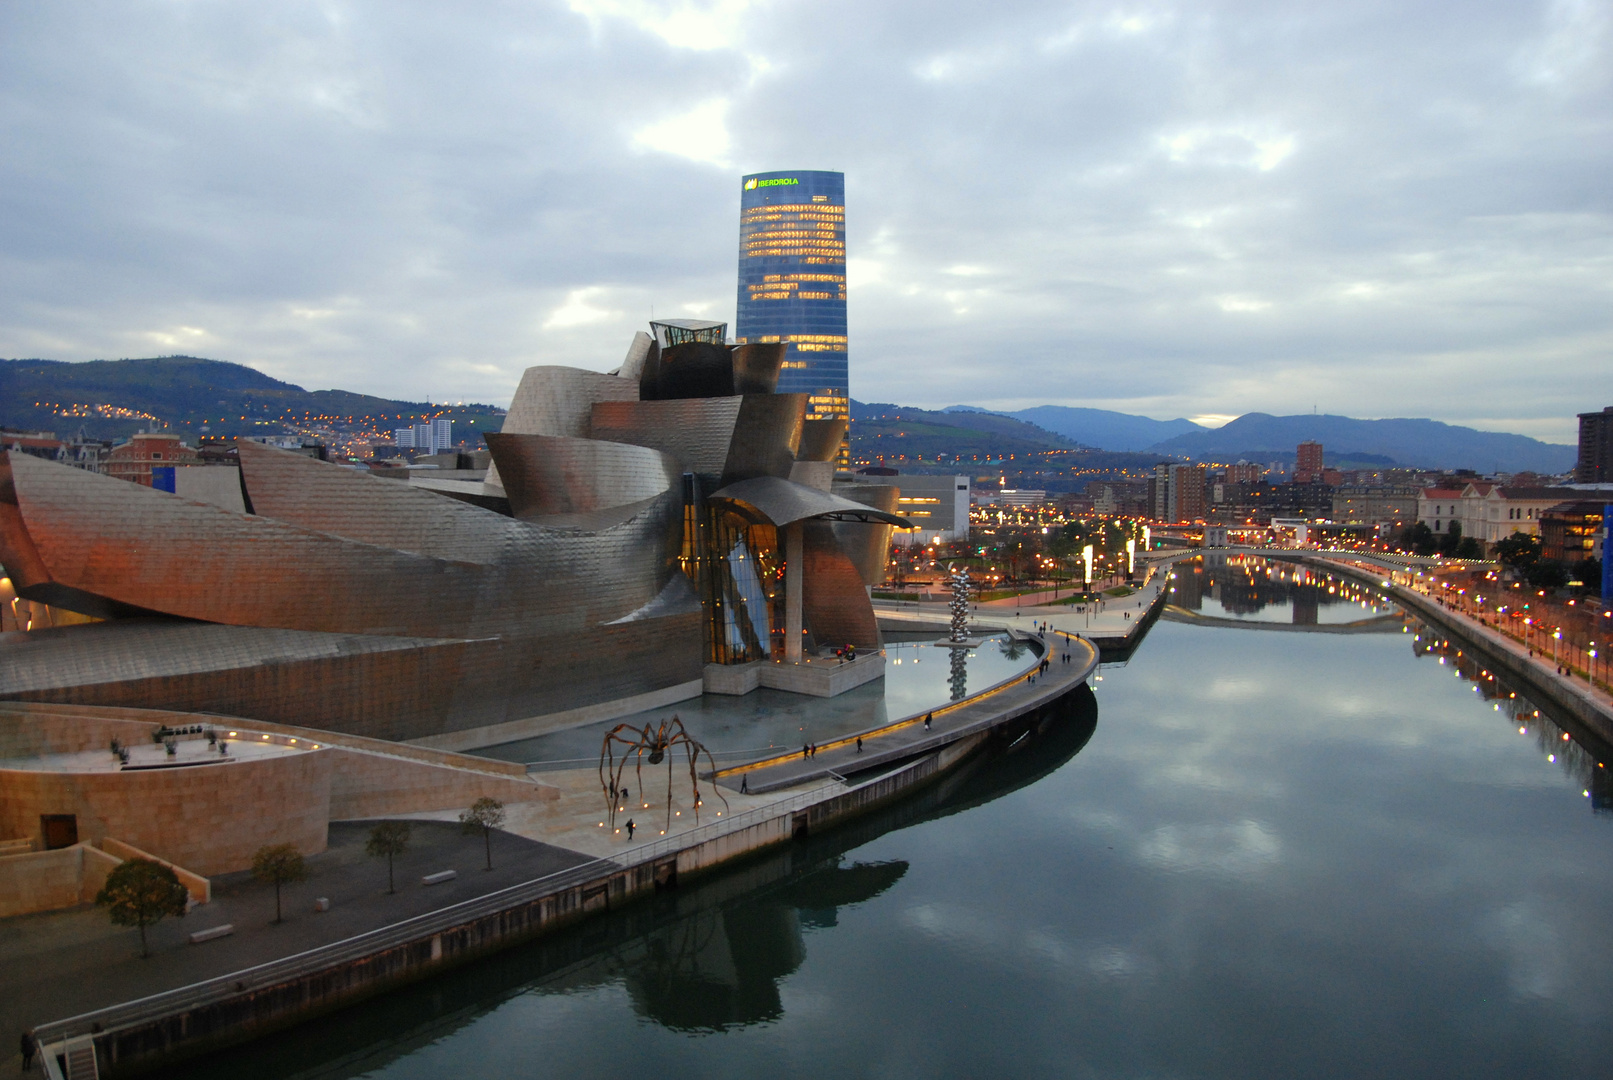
373, 785
50, 880
206, 818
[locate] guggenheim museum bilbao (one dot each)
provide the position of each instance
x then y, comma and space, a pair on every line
672, 526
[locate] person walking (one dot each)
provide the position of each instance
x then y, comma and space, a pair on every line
630, 828
927, 718
29, 1048
859, 744
806, 751
744, 784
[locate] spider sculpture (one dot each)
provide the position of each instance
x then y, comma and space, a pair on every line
655, 742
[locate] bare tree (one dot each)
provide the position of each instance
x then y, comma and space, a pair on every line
389, 839
485, 814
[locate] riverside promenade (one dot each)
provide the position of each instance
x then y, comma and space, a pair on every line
1588, 704
601, 866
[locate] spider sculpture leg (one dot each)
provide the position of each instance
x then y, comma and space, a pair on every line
610, 767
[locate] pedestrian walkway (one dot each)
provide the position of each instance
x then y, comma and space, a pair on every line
1068, 662
1597, 700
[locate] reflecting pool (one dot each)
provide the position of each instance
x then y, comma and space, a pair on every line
918, 676
1248, 854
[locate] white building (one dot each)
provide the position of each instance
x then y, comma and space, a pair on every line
938, 506
1487, 511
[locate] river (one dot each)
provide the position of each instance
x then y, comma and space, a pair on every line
1244, 853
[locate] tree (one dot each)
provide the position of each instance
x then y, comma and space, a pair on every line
485, 814
1452, 540
1520, 550
1419, 539
389, 839
278, 864
140, 892
1468, 549
1547, 574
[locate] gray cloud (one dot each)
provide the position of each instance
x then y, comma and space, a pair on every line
1174, 209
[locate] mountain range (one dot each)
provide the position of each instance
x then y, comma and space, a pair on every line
1099, 428
112, 399
1261, 437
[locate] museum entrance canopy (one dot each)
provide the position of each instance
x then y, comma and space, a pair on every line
784, 502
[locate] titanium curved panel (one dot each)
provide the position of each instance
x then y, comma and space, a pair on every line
152, 550
551, 474
158, 552
867, 544
696, 431
820, 439
371, 510
833, 599
783, 502
766, 436
757, 367
556, 401
638, 353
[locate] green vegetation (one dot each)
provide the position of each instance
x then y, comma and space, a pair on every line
878, 595
1118, 591
140, 892
1419, 539
1525, 556
278, 864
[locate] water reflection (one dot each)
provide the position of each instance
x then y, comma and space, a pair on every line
1562, 740
1259, 589
704, 958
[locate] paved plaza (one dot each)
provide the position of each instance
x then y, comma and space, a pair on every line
54, 965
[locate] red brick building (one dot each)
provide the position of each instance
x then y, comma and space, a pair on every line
135, 458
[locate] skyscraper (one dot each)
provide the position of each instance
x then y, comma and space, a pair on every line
1595, 465
1308, 463
792, 283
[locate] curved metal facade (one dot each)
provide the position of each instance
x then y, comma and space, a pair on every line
643, 541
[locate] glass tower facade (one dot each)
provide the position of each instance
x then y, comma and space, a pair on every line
792, 283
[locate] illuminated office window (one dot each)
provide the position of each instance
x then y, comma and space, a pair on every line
792, 283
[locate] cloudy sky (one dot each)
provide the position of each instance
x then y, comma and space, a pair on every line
1197, 209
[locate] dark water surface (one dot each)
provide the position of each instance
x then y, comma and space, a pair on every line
1253, 854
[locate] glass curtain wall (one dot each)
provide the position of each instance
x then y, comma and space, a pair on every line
738, 573
792, 284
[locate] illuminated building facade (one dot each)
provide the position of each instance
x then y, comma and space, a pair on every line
792, 284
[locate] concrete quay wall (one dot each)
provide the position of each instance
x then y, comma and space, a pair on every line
1499, 652
151, 1034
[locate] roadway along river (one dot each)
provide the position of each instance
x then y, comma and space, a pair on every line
1252, 854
